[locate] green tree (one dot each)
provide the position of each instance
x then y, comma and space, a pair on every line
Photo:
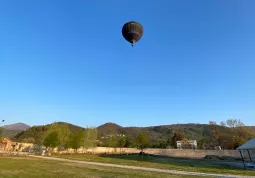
62, 131
51, 140
121, 143
109, 141
64, 134
129, 142
142, 141
163, 142
169, 142
114, 141
75, 140
203, 143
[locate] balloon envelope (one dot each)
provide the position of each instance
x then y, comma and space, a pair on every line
132, 31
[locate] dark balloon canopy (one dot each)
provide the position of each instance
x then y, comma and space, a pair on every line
132, 31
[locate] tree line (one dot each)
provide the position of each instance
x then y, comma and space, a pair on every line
237, 134
62, 138
227, 134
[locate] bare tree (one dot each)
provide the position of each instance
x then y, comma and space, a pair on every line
234, 123
90, 137
214, 132
212, 123
222, 123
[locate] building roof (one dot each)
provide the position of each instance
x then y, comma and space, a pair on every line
250, 145
186, 141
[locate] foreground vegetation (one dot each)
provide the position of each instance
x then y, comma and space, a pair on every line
163, 163
30, 167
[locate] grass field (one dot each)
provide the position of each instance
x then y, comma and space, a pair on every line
164, 163
26, 167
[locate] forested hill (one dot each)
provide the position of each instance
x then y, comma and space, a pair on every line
157, 134
35, 134
17, 126
13, 129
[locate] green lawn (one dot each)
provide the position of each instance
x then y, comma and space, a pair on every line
164, 163
26, 167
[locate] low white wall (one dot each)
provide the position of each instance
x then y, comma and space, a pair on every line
187, 153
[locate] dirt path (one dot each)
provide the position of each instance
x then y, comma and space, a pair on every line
144, 168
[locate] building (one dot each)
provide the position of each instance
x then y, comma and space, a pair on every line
186, 144
6, 144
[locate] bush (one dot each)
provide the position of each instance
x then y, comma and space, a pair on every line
212, 157
230, 158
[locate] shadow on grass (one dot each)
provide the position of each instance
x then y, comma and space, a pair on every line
174, 162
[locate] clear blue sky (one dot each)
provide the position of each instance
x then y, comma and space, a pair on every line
67, 61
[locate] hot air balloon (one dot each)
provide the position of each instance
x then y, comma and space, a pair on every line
132, 31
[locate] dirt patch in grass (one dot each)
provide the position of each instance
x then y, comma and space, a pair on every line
9, 172
21, 157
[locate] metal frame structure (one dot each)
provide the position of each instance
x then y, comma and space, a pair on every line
248, 149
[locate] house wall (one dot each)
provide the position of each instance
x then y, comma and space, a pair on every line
5, 144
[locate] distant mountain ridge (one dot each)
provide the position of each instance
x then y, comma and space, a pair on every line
17, 127
109, 128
